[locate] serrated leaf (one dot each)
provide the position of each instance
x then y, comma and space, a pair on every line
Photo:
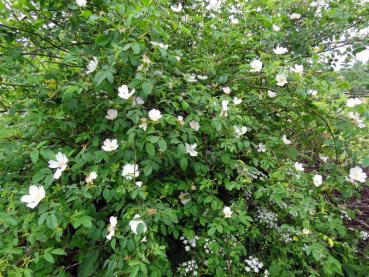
86, 221
162, 145
136, 48
150, 149
147, 87
34, 156
42, 218
58, 251
48, 257
51, 221
147, 170
183, 162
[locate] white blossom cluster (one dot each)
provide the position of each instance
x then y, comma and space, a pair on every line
190, 267
355, 116
364, 235
344, 215
207, 246
189, 243
267, 217
247, 194
286, 233
253, 265
286, 237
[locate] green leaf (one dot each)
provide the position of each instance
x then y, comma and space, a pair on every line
48, 257
162, 145
51, 221
47, 154
34, 156
153, 139
183, 162
147, 87
136, 48
365, 162
292, 153
86, 221
150, 149
211, 231
147, 170
7, 219
42, 218
58, 251
103, 75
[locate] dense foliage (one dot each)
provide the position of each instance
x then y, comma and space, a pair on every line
152, 138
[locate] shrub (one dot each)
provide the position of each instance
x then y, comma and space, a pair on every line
147, 138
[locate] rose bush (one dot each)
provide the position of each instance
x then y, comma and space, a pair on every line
151, 138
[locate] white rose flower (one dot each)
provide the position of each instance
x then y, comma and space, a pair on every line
34, 196
256, 65
111, 114
61, 161
280, 50
135, 222
202, 77
299, 166
194, 125
155, 115
356, 117
123, 92
184, 198
298, 68
261, 148
240, 131
306, 231
191, 78
91, 177
191, 149
57, 174
226, 90
130, 171
177, 8
285, 140
180, 120
237, 101
271, 94
295, 16
111, 227
60, 164
276, 28
281, 80
227, 212
234, 20
352, 102
110, 145
224, 108
92, 65
323, 158
159, 44
81, 3
139, 184
318, 180
312, 92
357, 174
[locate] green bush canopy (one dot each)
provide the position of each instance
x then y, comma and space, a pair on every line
191, 138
